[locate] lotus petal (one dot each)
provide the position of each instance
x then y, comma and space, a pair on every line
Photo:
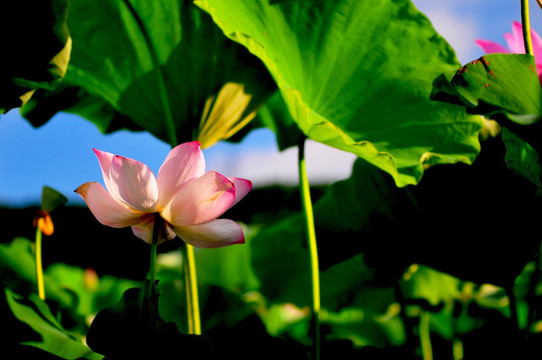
106, 209
491, 47
242, 187
133, 183
184, 162
201, 201
214, 234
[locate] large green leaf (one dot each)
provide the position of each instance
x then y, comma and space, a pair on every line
90, 292
54, 338
522, 158
281, 263
134, 59
395, 227
506, 88
497, 86
433, 286
352, 307
357, 75
65, 285
18, 265
134, 328
226, 268
45, 104
274, 116
18, 271
36, 49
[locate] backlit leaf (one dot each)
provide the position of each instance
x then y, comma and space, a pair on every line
145, 61
54, 338
36, 48
506, 88
357, 75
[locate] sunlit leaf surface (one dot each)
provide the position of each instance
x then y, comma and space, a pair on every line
357, 75
504, 87
497, 86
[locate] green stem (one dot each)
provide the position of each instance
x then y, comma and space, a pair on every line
188, 291
192, 298
39, 265
457, 343
149, 290
313, 249
158, 233
525, 23
410, 344
162, 89
457, 348
425, 336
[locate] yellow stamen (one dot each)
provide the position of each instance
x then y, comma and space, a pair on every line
225, 114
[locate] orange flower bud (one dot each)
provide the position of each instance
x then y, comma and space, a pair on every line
44, 222
90, 279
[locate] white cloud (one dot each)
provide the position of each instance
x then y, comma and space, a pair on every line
457, 27
268, 166
460, 34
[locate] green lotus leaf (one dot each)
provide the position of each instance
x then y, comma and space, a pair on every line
148, 66
497, 86
357, 75
506, 88
54, 338
522, 158
36, 47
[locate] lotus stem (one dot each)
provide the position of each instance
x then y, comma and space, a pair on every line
525, 23
457, 348
39, 265
425, 336
157, 233
192, 298
306, 202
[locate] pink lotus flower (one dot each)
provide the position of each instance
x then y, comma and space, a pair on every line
189, 199
516, 45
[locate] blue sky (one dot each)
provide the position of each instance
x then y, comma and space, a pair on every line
59, 154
